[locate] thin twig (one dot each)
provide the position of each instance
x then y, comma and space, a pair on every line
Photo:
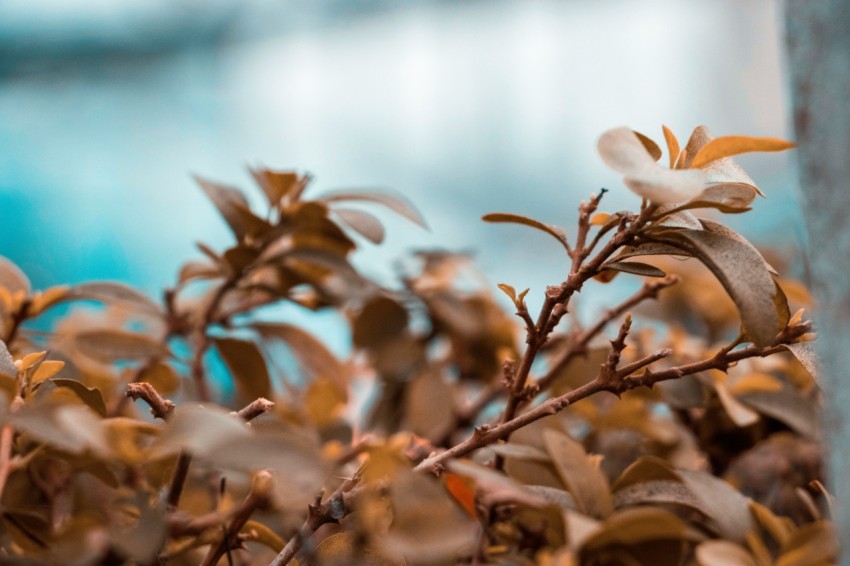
261, 489
618, 384
337, 506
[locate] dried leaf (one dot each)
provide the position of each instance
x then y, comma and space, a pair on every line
635, 525
740, 414
634, 267
258, 532
813, 544
504, 217
727, 146
200, 430
46, 370
276, 184
715, 552
463, 492
365, 224
806, 355
649, 145
69, 427
781, 530
314, 357
112, 345
114, 293
741, 270
7, 364
381, 320
396, 203
247, 366
12, 278
234, 208
672, 145
721, 502
787, 406
91, 396
580, 474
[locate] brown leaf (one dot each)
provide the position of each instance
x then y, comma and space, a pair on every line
12, 278
234, 208
380, 320
396, 203
313, 356
635, 268
112, 345
741, 270
69, 427
505, 217
787, 406
727, 146
365, 224
672, 145
580, 474
276, 184
650, 145
247, 366
91, 396
636, 525
812, 545
114, 293
200, 430
714, 552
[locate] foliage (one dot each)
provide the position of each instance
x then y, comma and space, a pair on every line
691, 437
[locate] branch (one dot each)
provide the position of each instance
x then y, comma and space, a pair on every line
337, 506
259, 496
161, 408
254, 409
620, 382
578, 346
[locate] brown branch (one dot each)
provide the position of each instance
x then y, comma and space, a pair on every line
161, 408
254, 409
259, 496
337, 506
619, 383
578, 346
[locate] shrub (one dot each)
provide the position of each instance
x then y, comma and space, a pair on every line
689, 438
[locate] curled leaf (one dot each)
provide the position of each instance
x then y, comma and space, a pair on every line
509, 218
727, 146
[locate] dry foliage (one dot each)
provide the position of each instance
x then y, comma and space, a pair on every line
454, 433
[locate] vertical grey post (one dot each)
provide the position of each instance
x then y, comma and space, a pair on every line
818, 43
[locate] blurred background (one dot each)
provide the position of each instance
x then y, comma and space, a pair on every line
107, 108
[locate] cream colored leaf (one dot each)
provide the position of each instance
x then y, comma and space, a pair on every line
621, 149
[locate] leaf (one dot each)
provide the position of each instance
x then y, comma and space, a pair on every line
161, 376
580, 474
680, 219
721, 502
520, 452
786, 406
505, 217
807, 356
645, 469
258, 532
91, 396
672, 145
396, 203
247, 366
635, 525
780, 529
41, 301
365, 224
234, 208
741, 270
199, 429
462, 491
649, 145
813, 544
727, 146
634, 267
7, 364
12, 278
275, 184
313, 356
381, 320
651, 248
656, 492
111, 292
69, 427
740, 414
46, 370
714, 552
112, 345
508, 290
730, 198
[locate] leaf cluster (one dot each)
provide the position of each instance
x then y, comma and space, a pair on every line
193, 429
